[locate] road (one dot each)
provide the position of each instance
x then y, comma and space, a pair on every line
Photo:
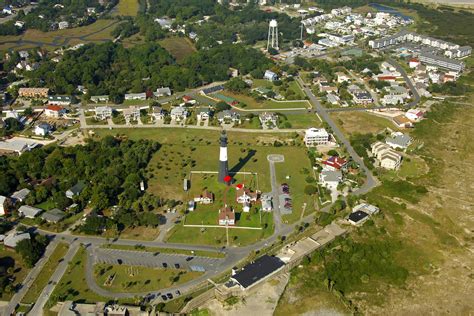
272, 159
55, 278
370, 181
30, 278
10, 17
401, 70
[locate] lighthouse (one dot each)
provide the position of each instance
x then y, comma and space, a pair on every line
223, 164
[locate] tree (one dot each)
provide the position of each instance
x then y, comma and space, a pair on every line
236, 85
32, 249
221, 106
310, 189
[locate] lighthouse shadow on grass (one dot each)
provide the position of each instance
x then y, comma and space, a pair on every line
242, 162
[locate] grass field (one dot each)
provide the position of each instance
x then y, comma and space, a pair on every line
178, 47
127, 7
73, 285
251, 103
361, 122
48, 269
302, 120
96, 32
9, 258
140, 279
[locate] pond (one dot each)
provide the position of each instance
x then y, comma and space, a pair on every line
393, 11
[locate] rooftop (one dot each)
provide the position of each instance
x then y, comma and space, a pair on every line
258, 270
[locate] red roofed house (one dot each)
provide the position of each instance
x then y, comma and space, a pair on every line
413, 63
55, 111
334, 163
226, 216
189, 99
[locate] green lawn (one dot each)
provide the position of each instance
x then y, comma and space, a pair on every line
48, 269
93, 121
73, 285
46, 205
302, 120
251, 103
178, 47
140, 279
9, 258
128, 7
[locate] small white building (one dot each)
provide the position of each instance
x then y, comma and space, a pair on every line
131, 114
54, 111
316, 136
270, 76
414, 115
179, 113
42, 129
135, 96
387, 157
161, 92
203, 114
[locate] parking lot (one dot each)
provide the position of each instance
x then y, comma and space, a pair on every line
155, 259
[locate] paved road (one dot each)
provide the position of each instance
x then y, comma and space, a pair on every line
272, 159
30, 278
416, 95
55, 278
370, 181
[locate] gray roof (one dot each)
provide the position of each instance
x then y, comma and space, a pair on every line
29, 211
331, 176
54, 215
165, 90
12, 239
21, 194
78, 187
400, 140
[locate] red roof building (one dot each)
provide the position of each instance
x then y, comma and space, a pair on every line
387, 78
226, 216
335, 162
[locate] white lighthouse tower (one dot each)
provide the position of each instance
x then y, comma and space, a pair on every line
223, 164
273, 35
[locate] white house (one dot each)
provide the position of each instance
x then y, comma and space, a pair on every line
42, 129
178, 113
414, 115
160, 92
270, 76
226, 216
131, 114
158, 113
316, 136
268, 119
135, 96
62, 100
330, 179
387, 157
63, 25
203, 114
367, 208
205, 198
103, 112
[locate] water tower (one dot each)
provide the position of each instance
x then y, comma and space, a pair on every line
273, 35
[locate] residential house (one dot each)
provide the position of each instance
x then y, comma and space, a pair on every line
212, 89
268, 119
5, 205
398, 140
203, 114
179, 113
270, 76
29, 211
205, 198
33, 92
414, 115
7, 10
63, 25
158, 114
161, 92
131, 114
358, 218
316, 136
54, 111
53, 216
330, 179
99, 98
342, 77
20, 195
14, 237
402, 121
43, 129
228, 116
76, 189
17, 146
19, 24
62, 100
189, 99
362, 97
387, 157
226, 216
333, 99
327, 87
334, 163
367, 208
103, 112
135, 96
245, 196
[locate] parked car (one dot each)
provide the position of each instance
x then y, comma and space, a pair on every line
170, 296
165, 265
176, 265
164, 297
